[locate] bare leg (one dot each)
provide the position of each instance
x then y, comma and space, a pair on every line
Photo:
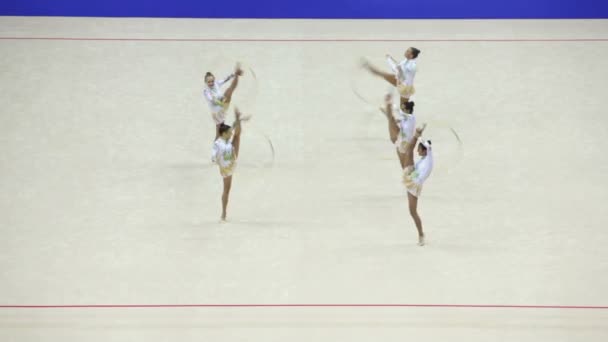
235, 82
228, 93
413, 205
225, 195
236, 139
409, 150
393, 131
390, 78
393, 128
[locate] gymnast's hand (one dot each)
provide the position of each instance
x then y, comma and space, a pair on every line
419, 131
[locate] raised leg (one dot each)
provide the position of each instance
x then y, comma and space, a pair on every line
393, 131
393, 128
390, 78
235, 82
236, 138
228, 93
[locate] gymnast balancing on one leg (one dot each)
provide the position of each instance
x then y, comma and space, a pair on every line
403, 73
225, 153
415, 174
219, 101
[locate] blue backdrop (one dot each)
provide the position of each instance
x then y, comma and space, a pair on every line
361, 9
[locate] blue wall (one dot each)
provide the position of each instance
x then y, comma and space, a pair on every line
377, 9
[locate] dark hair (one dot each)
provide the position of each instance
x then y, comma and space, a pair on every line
415, 52
224, 128
208, 74
409, 106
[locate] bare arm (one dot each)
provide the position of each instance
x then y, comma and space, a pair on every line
390, 58
237, 72
392, 63
222, 82
237, 122
239, 118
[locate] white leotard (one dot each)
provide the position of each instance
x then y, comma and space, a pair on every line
223, 155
